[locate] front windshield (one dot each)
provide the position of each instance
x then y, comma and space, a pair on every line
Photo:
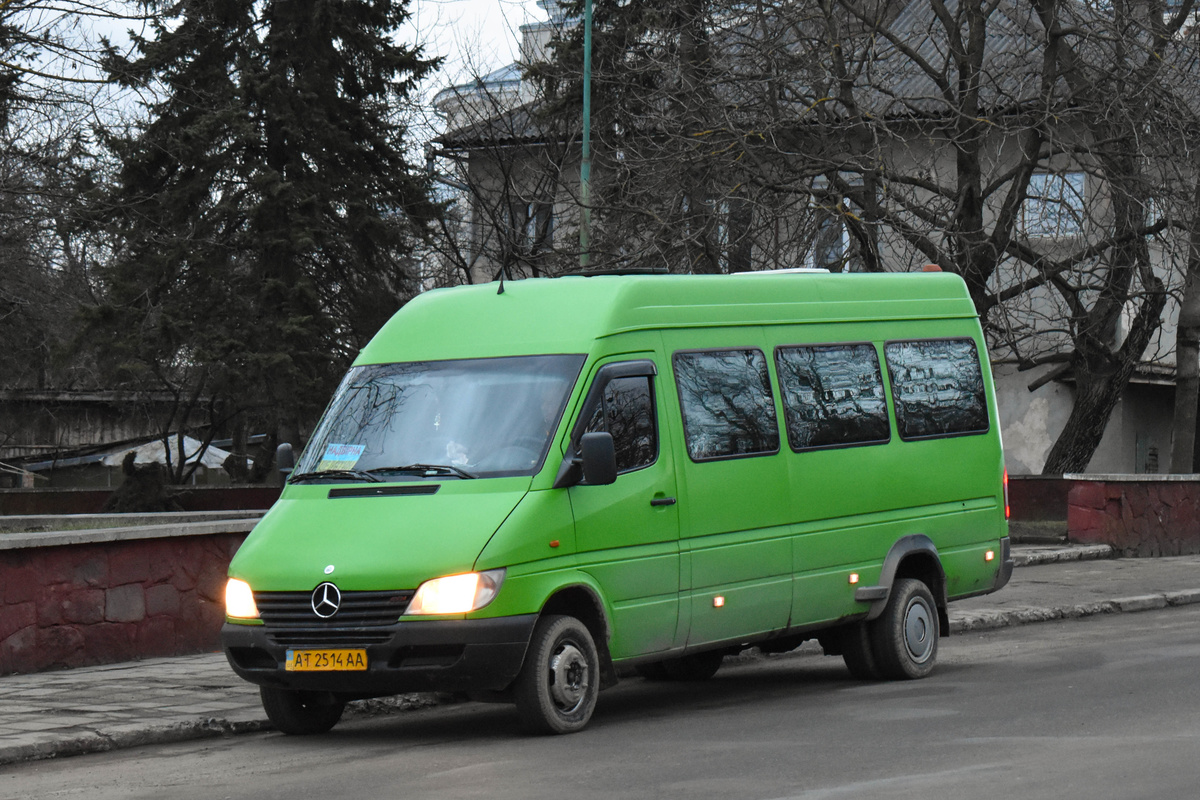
476, 417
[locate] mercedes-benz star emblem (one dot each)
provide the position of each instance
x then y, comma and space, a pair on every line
326, 599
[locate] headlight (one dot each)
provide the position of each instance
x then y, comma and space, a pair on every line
456, 594
239, 600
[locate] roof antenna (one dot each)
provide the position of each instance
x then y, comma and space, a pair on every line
501, 289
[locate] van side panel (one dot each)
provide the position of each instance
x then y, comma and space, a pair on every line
789, 529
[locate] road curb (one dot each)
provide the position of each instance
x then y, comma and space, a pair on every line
101, 742
993, 619
1089, 552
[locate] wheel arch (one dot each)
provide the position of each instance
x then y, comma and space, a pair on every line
914, 556
583, 602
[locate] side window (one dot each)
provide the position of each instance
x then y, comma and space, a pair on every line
627, 412
728, 410
832, 395
937, 386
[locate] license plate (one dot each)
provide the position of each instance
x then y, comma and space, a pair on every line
326, 660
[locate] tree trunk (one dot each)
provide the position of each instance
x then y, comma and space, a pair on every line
1187, 358
1187, 375
1098, 388
1095, 398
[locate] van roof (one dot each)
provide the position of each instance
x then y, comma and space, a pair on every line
567, 314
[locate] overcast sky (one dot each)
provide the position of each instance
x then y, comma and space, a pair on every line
475, 36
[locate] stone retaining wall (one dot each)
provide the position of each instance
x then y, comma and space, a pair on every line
76, 598
91, 501
1138, 515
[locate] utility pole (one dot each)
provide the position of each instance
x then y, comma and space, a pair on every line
585, 164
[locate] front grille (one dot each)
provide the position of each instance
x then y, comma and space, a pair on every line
291, 610
310, 637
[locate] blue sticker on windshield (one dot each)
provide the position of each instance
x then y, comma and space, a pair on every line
340, 456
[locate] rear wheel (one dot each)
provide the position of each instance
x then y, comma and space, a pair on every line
557, 687
301, 713
904, 639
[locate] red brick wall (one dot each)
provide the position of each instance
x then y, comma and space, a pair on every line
73, 605
1138, 518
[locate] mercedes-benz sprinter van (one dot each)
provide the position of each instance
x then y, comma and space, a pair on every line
517, 490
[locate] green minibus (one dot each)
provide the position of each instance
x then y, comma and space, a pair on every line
520, 491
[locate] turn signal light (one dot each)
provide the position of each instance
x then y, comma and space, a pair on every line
718, 602
853, 578
990, 555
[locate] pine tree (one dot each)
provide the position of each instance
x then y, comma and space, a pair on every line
265, 213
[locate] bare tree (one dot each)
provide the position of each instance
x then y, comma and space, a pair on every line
1029, 147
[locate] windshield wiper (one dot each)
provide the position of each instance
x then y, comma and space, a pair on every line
340, 474
429, 469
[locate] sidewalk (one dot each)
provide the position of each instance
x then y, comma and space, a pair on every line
94, 709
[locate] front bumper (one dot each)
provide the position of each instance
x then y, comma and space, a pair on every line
417, 656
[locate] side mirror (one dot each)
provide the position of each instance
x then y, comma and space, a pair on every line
599, 458
285, 459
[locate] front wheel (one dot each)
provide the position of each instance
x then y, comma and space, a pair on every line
904, 639
301, 713
556, 689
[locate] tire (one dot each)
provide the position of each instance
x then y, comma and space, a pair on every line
694, 666
856, 652
301, 713
556, 689
904, 639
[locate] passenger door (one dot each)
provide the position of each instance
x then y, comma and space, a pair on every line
627, 533
735, 539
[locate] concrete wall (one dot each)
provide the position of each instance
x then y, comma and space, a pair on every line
1137, 439
76, 598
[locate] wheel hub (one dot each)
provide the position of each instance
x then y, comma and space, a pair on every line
918, 632
569, 679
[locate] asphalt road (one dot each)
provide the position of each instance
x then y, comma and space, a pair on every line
1099, 708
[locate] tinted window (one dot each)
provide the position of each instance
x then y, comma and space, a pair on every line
627, 412
938, 387
832, 395
727, 405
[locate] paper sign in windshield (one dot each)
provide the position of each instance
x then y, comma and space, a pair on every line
340, 456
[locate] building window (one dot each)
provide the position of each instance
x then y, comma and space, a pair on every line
728, 408
832, 396
539, 228
1053, 205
